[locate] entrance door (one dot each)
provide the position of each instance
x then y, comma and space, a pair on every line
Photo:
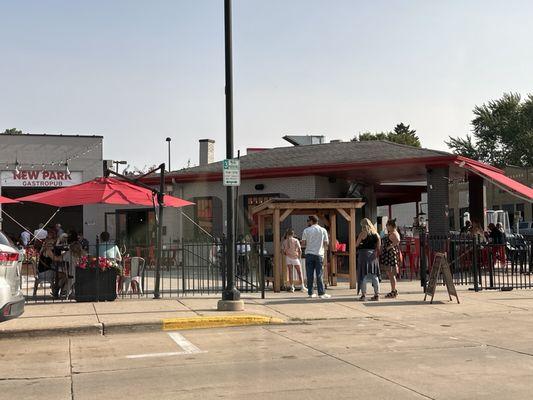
135, 227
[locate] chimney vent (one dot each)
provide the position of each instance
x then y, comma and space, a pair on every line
207, 151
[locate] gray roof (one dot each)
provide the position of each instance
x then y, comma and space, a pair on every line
321, 154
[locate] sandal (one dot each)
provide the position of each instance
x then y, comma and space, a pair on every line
362, 298
390, 295
375, 297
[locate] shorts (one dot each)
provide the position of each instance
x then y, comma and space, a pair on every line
292, 261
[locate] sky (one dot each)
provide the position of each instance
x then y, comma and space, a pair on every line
137, 71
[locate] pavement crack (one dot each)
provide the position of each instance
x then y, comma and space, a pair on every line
96, 314
352, 364
188, 308
35, 378
511, 350
70, 369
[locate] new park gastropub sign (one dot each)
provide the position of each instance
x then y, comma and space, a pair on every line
40, 178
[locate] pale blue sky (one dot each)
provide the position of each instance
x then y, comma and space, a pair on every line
139, 71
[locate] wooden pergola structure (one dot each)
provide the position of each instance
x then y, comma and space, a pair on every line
327, 210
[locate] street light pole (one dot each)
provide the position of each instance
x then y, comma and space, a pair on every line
168, 141
230, 296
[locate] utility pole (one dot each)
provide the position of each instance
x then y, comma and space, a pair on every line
168, 141
231, 297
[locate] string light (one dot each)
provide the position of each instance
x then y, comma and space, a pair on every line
64, 162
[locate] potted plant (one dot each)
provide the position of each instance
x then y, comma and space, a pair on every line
96, 279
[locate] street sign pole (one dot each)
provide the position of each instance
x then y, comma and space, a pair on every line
230, 296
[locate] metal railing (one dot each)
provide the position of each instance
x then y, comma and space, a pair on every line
483, 265
188, 268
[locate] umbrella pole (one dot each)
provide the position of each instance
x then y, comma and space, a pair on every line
160, 201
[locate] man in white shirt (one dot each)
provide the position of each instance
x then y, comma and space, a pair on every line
25, 237
315, 240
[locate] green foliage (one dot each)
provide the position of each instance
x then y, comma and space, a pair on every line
11, 131
503, 132
402, 134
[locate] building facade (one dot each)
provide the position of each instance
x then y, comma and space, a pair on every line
34, 163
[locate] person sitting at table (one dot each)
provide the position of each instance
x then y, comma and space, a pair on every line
107, 249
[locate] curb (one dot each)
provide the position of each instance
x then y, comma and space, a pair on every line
90, 329
218, 322
155, 326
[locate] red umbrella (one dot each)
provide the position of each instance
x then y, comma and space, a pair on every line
102, 191
5, 200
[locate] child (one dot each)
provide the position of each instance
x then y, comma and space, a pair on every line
293, 252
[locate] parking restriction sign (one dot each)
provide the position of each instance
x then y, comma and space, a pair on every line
231, 172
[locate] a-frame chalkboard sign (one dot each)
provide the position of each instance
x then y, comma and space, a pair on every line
440, 266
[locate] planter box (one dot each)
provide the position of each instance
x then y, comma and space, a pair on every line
93, 284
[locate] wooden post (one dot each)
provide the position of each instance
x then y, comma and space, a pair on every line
352, 269
261, 227
277, 251
332, 245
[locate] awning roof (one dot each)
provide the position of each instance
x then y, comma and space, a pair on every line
499, 179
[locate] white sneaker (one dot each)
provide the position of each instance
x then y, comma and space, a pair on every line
313, 296
325, 296
291, 289
303, 289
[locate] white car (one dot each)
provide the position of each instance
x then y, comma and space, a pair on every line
11, 298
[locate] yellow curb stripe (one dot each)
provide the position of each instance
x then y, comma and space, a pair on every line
217, 321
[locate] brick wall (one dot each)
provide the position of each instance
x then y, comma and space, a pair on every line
438, 198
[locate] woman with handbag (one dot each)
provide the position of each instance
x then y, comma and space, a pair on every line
390, 254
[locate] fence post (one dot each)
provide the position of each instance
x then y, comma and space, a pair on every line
475, 265
262, 267
423, 259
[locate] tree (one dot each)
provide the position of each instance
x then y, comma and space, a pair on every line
12, 131
502, 132
405, 135
402, 134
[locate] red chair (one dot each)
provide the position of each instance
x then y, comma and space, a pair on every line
151, 255
404, 249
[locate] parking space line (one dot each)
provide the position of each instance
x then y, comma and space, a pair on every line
186, 346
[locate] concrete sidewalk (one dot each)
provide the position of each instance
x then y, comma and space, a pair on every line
149, 314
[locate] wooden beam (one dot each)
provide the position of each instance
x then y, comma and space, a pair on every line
285, 214
352, 269
344, 214
315, 205
277, 251
332, 246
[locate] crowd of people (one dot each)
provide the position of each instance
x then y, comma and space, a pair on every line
493, 234
57, 254
375, 255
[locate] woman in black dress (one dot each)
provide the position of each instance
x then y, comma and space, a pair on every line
390, 255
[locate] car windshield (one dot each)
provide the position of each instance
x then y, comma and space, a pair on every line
5, 240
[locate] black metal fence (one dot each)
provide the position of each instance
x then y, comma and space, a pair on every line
483, 265
187, 268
